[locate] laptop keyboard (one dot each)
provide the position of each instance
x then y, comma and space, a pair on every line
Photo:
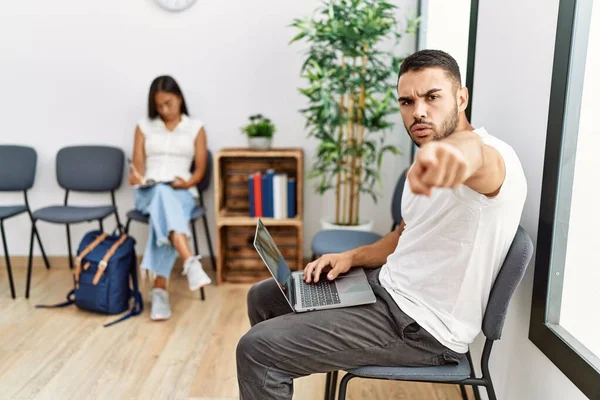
322, 293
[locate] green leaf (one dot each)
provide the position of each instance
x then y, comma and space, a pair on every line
338, 30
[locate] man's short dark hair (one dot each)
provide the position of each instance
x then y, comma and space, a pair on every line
432, 59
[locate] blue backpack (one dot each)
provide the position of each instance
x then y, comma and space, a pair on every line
103, 268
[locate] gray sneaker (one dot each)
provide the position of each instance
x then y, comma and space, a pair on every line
160, 305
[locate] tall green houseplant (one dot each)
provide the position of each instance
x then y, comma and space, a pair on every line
351, 92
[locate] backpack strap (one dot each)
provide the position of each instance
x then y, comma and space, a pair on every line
104, 262
138, 303
70, 300
88, 249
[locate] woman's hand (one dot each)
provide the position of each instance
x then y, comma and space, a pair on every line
134, 179
180, 183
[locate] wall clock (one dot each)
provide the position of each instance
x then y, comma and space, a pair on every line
175, 5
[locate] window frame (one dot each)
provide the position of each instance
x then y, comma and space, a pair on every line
555, 342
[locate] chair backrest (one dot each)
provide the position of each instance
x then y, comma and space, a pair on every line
510, 275
17, 167
205, 182
397, 198
90, 168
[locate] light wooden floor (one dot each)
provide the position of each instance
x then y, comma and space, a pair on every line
67, 354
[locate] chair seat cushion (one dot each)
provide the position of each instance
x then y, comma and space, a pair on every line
138, 216
72, 214
339, 240
197, 213
10, 211
443, 373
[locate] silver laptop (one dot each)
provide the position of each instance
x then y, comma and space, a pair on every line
350, 289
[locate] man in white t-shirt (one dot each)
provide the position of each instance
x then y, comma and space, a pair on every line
461, 207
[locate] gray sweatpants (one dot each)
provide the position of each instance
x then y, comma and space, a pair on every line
282, 345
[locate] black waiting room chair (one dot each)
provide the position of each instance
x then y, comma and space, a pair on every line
17, 173
510, 275
91, 169
198, 212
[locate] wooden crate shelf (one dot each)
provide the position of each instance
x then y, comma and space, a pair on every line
237, 259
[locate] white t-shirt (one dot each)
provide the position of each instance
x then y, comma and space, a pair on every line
169, 153
449, 254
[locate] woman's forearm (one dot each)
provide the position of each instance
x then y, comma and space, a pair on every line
196, 177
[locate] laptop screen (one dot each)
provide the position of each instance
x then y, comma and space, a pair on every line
266, 247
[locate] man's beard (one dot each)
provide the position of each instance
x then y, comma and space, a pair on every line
448, 126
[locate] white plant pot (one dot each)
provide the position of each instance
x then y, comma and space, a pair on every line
365, 226
259, 142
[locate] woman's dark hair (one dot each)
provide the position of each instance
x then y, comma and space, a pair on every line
167, 84
431, 59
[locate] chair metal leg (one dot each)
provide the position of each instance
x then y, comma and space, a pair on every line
7, 257
474, 387
195, 236
210, 248
343, 385
29, 262
37, 235
490, 391
101, 225
69, 246
119, 226
127, 225
333, 385
327, 384
463, 392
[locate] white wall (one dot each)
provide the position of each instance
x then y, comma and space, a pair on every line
76, 71
445, 26
513, 69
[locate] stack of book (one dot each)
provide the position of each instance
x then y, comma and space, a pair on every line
271, 195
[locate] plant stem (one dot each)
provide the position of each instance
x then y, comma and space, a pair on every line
361, 130
339, 163
347, 196
348, 205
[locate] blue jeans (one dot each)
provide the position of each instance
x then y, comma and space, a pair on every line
170, 211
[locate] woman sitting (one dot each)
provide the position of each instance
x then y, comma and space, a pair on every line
165, 145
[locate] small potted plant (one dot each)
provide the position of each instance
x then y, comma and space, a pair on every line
260, 131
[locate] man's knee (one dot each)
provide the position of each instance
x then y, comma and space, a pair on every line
254, 295
247, 345
253, 302
250, 356
260, 293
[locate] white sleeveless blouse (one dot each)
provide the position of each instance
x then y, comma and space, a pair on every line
169, 153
